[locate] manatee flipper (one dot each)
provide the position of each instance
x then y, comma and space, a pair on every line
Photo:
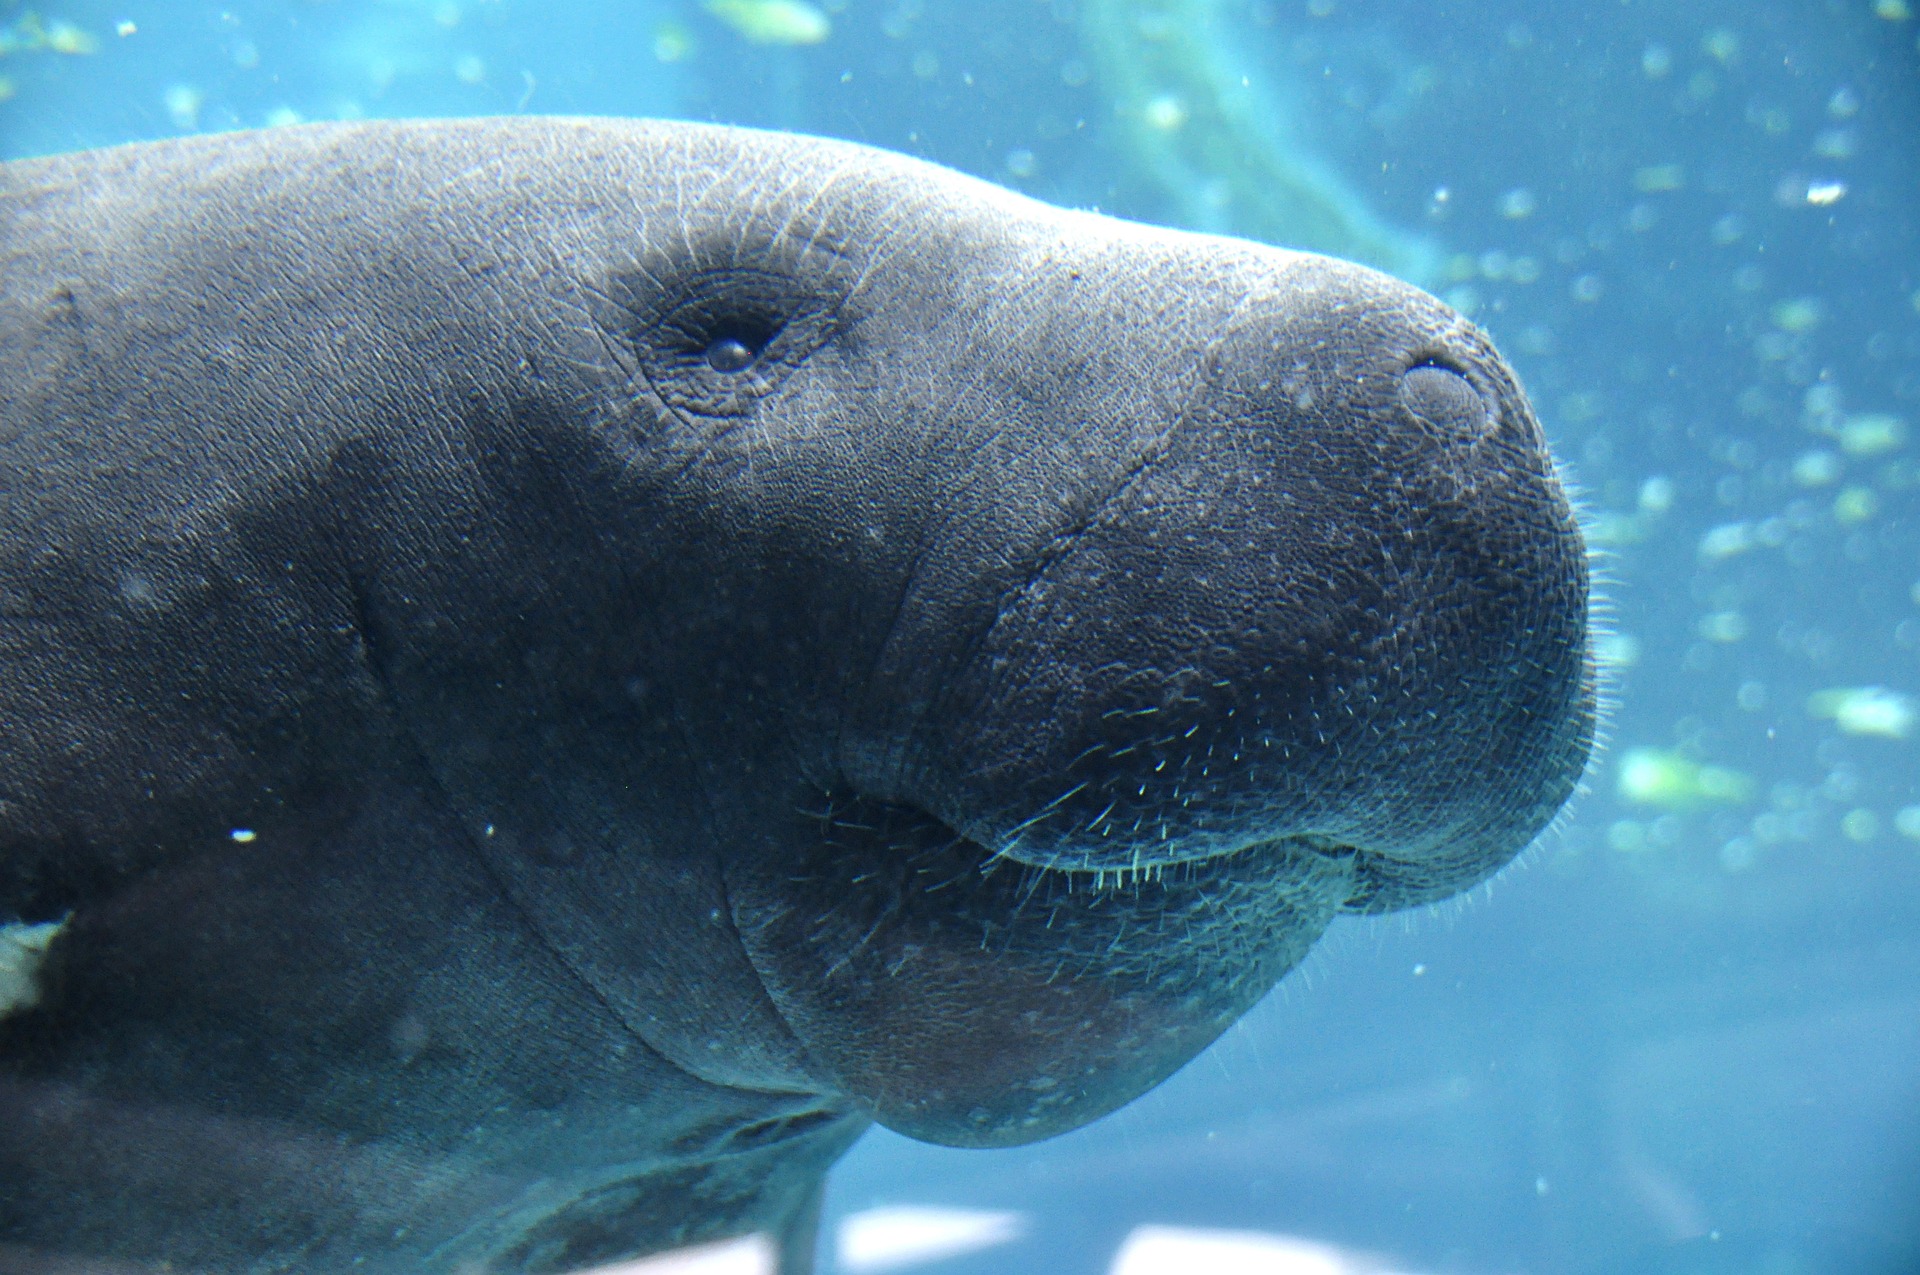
340, 1056
798, 1236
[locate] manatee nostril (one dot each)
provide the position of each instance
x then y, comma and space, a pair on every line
1446, 402
729, 354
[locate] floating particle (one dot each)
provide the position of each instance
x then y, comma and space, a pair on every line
1769, 828
25, 34
1656, 495
1655, 61
1751, 697
1816, 469
446, 14
1728, 540
790, 22
1609, 527
1738, 854
470, 68
246, 55
1524, 270
1855, 505
1822, 193
1659, 177
1588, 288
1801, 314
901, 17
1834, 143
1866, 710
1860, 825
1728, 230
1672, 781
183, 103
1617, 650
1628, 836
1872, 434
125, 28
7, 88
64, 37
672, 42
1074, 73
1021, 162
1892, 10
1165, 112
243, 835
282, 117
1724, 627
1518, 204
1581, 405
1841, 784
926, 64
1907, 822
1722, 45
1821, 399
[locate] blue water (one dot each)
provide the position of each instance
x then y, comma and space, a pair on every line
1683, 1035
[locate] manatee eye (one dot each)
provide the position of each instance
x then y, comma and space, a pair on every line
729, 354
723, 337
1446, 402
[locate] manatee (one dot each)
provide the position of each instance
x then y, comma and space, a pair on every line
551, 671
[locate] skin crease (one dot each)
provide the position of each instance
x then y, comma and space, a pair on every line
558, 668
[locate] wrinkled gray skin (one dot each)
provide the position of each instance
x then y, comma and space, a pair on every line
718, 638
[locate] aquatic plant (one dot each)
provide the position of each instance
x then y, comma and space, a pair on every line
1211, 136
773, 21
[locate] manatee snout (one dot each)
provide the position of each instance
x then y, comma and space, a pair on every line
1296, 625
1340, 602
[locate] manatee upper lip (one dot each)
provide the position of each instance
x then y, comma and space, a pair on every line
923, 731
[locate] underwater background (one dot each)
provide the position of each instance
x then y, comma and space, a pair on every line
1683, 1034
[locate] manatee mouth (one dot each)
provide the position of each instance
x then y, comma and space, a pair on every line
960, 996
1370, 870
908, 821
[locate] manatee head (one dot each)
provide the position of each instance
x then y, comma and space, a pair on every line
1105, 609
578, 658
